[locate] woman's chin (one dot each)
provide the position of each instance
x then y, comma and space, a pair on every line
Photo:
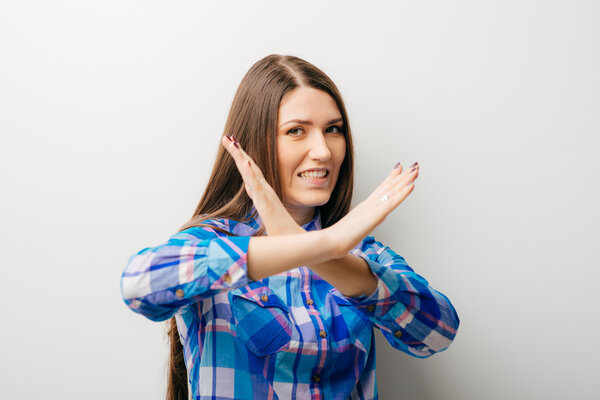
307, 201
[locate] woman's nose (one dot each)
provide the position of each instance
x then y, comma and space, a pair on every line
319, 149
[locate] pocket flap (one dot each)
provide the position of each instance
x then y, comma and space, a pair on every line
261, 295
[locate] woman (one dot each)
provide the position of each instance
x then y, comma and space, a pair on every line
273, 286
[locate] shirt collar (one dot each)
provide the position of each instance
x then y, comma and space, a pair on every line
250, 227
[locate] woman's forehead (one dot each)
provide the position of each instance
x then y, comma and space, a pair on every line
306, 104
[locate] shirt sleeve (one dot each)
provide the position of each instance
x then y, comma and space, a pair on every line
193, 264
413, 317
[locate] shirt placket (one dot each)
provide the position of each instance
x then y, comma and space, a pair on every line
320, 333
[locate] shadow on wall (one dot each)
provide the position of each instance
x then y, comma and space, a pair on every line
396, 370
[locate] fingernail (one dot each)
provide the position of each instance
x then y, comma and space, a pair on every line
397, 165
236, 145
413, 169
228, 137
234, 139
413, 164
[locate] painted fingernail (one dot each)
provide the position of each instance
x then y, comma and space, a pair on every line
234, 139
236, 145
413, 169
413, 164
228, 137
397, 165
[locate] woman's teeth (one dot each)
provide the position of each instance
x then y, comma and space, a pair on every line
313, 174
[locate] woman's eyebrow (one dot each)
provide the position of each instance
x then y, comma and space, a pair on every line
306, 122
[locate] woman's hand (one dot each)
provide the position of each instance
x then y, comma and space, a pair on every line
276, 219
363, 218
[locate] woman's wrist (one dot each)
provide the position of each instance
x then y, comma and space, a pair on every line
332, 240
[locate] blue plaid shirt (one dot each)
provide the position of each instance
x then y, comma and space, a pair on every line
288, 336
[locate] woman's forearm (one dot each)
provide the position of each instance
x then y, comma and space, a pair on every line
271, 255
351, 275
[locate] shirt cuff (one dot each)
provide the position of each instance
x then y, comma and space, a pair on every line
229, 256
378, 302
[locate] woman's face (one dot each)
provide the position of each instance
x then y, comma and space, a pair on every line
311, 147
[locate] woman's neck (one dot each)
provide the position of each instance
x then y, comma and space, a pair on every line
302, 215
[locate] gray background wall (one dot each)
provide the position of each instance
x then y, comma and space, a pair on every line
110, 114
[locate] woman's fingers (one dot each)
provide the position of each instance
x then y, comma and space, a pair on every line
251, 173
396, 181
397, 170
234, 148
408, 176
401, 186
400, 196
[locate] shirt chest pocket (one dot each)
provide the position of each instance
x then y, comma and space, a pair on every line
350, 325
261, 321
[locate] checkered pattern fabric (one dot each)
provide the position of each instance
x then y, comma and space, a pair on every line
288, 336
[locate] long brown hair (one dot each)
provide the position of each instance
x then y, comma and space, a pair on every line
252, 120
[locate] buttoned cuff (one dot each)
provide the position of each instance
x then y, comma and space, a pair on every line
228, 257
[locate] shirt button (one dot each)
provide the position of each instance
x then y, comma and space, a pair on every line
323, 334
317, 378
398, 334
264, 298
227, 278
179, 293
371, 308
310, 302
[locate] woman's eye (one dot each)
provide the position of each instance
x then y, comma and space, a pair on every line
295, 132
335, 129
